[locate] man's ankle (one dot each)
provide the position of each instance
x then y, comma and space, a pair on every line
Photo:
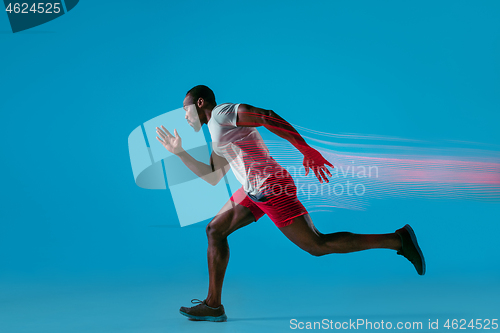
399, 241
212, 304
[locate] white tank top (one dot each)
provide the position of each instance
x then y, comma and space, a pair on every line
242, 147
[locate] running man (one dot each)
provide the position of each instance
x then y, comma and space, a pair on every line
267, 188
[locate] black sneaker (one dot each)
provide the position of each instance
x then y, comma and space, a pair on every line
410, 249
203, 312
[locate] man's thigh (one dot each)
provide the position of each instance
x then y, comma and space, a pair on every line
231, 217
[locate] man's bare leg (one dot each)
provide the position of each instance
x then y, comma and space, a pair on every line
231, 217
304, 234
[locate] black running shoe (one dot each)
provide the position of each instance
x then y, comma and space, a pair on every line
203, 312
410, 249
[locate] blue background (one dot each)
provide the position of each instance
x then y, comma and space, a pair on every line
82, 248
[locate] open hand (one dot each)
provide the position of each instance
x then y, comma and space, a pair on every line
317, 163
172, 143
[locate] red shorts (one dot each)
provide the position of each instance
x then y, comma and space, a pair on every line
280, 200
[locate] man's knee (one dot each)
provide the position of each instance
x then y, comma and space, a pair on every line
214, 231
317, 249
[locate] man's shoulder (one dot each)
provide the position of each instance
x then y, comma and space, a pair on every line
225, 107
225, 113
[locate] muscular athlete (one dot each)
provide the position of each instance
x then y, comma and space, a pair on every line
267, 188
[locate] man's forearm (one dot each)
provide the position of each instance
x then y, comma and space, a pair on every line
285, 130
201, 169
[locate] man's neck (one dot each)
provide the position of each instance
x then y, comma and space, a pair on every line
208, 113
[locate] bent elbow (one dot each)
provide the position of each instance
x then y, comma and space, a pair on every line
214, 181
268, 117
216, 176
271, 120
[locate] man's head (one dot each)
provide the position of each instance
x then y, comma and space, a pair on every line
197, 102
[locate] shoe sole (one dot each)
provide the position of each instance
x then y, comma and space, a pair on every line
205, 318
415, 244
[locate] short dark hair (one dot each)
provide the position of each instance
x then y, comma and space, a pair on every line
204, 92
